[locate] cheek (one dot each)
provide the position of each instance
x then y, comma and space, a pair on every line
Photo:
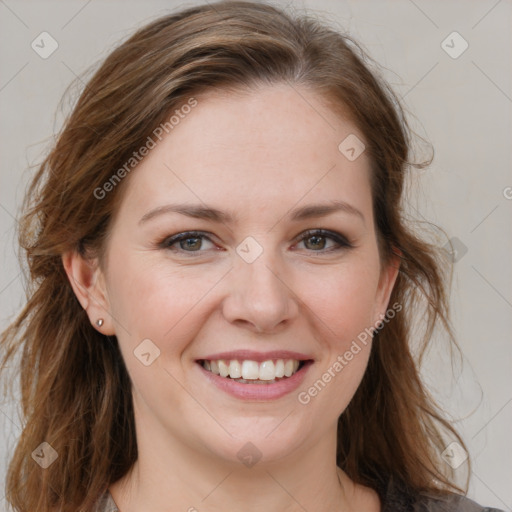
342, 299
344, 315
155, 300
151, 303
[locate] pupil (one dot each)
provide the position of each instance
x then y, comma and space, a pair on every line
318, 238
193, 244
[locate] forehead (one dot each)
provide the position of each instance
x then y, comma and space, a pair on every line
270, 146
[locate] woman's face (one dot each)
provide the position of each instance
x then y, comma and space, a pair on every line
253, 285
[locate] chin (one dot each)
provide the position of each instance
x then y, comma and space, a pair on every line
266, 442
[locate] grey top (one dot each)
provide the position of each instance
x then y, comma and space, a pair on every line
394, 501
106, 504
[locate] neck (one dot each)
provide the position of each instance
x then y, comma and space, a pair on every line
193, 482
261, 490
173, 474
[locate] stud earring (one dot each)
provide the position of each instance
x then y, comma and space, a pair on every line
99, 322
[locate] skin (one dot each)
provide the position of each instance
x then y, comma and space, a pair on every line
258, 154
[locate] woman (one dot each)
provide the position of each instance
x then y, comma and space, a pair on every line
223, 284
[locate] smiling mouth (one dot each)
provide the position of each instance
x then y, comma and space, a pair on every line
253, 372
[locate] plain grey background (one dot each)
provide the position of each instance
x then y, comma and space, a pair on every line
461, 101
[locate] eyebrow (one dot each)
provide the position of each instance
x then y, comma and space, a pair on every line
215, 215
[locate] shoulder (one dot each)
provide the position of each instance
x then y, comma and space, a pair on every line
450, 503
397, 499
106, 503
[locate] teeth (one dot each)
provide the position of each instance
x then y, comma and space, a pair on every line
235, 369
279, 368
223, 368
248, 370
267, 371
288, 368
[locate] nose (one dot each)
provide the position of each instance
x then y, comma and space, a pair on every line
259, 297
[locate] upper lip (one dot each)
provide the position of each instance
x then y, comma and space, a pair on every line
251, 355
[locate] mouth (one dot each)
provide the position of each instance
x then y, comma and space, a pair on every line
248, 371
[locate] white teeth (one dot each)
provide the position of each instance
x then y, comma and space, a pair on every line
248, 370
223, 368
235, 369
288, 368
267, 371
280, 368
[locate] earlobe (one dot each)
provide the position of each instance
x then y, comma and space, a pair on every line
86, 279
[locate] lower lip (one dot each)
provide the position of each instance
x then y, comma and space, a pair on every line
257, 391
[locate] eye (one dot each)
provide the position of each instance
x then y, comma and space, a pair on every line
316, 240
190, 241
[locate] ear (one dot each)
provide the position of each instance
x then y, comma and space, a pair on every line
388, 275
88, 283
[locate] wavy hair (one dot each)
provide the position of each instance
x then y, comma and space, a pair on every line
75, 389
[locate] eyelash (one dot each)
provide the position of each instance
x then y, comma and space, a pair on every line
339, 239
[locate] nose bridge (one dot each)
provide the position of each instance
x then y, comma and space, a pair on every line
259, 294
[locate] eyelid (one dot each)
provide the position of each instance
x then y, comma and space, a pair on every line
183, 235
341, 240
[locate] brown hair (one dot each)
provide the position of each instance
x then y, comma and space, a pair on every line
76, 392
